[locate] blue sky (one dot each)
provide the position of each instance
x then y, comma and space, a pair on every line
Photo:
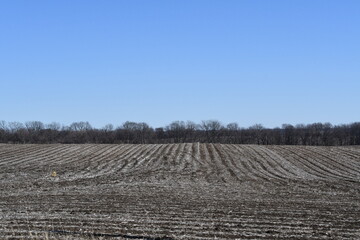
245, 61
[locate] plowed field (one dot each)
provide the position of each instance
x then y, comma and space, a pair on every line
179, 191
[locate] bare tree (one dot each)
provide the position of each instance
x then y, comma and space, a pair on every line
80, 126
191, 129
289, 134
179, 131
3, 131
211, 128
3, 125
233, 126
355, 133
176, 131
15, 126
53, 126
133, 132
192, 126
108, 127
233, 133
258, 130
34, 125
130, 125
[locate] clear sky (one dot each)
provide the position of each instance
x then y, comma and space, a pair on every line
245, 61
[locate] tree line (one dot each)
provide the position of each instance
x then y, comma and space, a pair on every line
209, 131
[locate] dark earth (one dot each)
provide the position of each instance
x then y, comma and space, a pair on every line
179, 191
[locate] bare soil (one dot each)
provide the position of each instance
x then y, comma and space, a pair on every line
179, 191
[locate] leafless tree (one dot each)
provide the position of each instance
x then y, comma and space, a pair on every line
53, 126
180, 131
3, 125
108, 127
80, 126
258, 130
15, 126
34, 125
176, 131
233, 126
211, 129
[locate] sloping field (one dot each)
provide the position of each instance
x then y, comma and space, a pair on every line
179, 191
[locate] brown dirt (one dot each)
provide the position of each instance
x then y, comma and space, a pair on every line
179, 191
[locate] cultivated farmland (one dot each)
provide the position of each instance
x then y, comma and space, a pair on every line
179, 191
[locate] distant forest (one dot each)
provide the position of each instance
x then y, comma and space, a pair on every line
210, 131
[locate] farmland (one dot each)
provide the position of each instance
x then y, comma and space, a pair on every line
179, 191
